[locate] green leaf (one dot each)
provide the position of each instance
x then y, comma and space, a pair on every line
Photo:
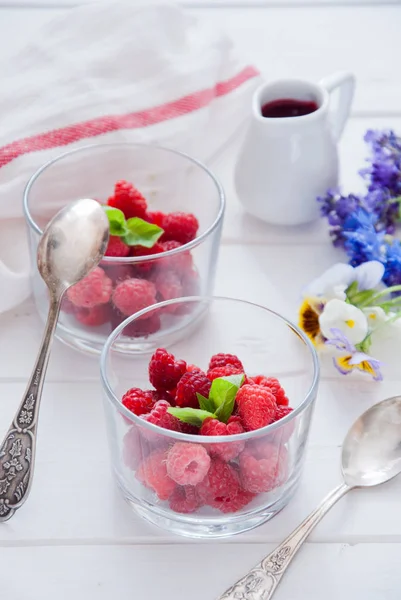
193, 416
205, 403
351, 290
141, 233
363, 298
117, 221
223, 393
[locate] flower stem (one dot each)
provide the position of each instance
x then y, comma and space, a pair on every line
372, 301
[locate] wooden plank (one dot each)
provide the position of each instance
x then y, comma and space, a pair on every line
201, 571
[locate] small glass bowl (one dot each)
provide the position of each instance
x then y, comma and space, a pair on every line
267, 344
171, 182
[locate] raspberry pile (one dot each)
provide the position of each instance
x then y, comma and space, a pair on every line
113, 292
221, 401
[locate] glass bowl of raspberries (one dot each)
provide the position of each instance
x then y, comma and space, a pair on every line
165, 211
208, 431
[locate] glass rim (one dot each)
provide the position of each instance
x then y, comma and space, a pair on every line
132, 259
186, 437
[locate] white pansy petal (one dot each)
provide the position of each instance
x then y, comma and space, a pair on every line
340, 274
375, 316
349, 319
369, 274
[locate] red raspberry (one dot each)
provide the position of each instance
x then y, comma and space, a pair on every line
133, 295
256, 406
119, 272
236, 503
274, 385
95, 288
187, 464
181, 262
160, 417
67, 306
95, 316
222, 360
226, 451
221, 484
180, 227
129, 200
168, 286
153, 474
156, 217
283, 434
165, 371
184, 499
134, 449
138, 401
143, 268
263, 470
189, 385
139, 328
223, 372
116, 247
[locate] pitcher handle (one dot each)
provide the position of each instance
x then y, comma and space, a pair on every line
345, 81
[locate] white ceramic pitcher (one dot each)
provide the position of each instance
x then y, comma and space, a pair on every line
286, 162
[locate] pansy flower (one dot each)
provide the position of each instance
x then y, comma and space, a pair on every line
352, 359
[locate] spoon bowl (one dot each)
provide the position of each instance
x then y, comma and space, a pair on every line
72, 244
371, 452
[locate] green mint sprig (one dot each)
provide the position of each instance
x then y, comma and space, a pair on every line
219, 405
133, 232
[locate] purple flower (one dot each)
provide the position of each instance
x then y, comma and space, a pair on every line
384, 170
392, 273
353, 358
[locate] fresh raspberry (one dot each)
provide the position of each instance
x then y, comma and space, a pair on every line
156, 217
116, 247
221, 484
168, 286
129, 200
119, 272
144, 268
226, 451
236, 503
134, 448
152, 473
133, 295
138, 401
187, 464
223, 372
180, 227
191, 368
67, 306
139, 328
256, 406
184, 499
189, 385
165, 371
181, 262
95, 316
274, 385
160, 417
95, 288
222, 360
283, 434
262, 471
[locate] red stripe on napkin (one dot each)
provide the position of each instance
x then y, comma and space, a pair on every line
143, 118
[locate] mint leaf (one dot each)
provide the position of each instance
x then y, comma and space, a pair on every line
193, 416
205, 403
141, 233
117, 221
223, 393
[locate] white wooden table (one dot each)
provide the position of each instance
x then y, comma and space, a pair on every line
75, 537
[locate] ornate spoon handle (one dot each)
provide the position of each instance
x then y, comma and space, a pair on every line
261, 582
17, 452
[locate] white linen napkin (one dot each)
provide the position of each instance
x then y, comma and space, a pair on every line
108, 73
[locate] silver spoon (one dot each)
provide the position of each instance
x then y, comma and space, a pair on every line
371, 455
71, 246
